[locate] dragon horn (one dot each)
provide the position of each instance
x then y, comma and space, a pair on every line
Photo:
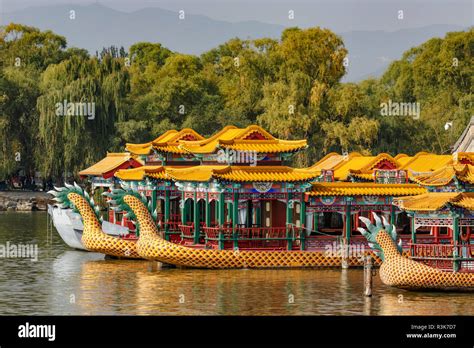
386, 224
366, 221
77, 187
378, 222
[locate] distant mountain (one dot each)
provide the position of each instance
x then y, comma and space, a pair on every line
370, 52
97, 26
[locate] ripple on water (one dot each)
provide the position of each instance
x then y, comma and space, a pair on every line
65, 281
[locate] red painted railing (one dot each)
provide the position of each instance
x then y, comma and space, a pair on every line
443, 256
173, 217
187, 233
249, 237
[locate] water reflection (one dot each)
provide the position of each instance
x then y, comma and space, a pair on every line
65, 282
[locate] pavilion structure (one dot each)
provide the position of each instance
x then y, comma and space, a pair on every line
444, 214
236, 190
230, 190
101, 176
354, 185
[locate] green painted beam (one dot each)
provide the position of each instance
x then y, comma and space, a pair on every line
348, 223
315, 221
303, 222
153, 200
413, 231
221, 219
235, 218
229, 211
167, 213
289, 213
456, 241
208, 211
393, 216
196, 219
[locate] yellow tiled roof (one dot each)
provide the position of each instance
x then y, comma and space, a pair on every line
363, 167
354, 163
240, 173
443, 176
328, 162
238, 139
172, 143
364, 189
139, 149
196, 173
107, 164
466, 202
424, 162
139, 173
167, 142
145, 148
433, 201
265, 173
367, 172
466, 156
402, 158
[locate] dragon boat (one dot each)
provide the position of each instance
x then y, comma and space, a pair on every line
232, 200
399, 271
93, 237
396, 269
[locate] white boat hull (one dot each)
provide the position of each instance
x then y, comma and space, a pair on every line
69, 226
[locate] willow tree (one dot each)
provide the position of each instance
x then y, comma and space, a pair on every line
438, 75
24, 53
239, 69
70, 141
309, 63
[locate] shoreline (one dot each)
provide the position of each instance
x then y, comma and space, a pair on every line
24, 200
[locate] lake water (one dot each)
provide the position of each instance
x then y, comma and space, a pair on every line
64, 281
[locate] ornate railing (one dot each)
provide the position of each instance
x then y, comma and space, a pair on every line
187, 233
320, 243
250, 237
444, 256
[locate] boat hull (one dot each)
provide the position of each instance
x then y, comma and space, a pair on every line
70, 227
158, 249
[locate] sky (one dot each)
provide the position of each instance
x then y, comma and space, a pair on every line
339, 15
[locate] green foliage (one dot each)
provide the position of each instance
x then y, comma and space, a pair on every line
33, 48
438, 75
73, 141
290, 86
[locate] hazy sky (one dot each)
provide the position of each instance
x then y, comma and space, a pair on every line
339, 15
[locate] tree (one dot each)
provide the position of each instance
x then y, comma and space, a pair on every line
309, 63
24, 53
74, 141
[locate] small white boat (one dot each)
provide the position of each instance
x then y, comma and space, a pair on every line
69, 226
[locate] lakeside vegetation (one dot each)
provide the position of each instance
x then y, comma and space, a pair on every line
291, 86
